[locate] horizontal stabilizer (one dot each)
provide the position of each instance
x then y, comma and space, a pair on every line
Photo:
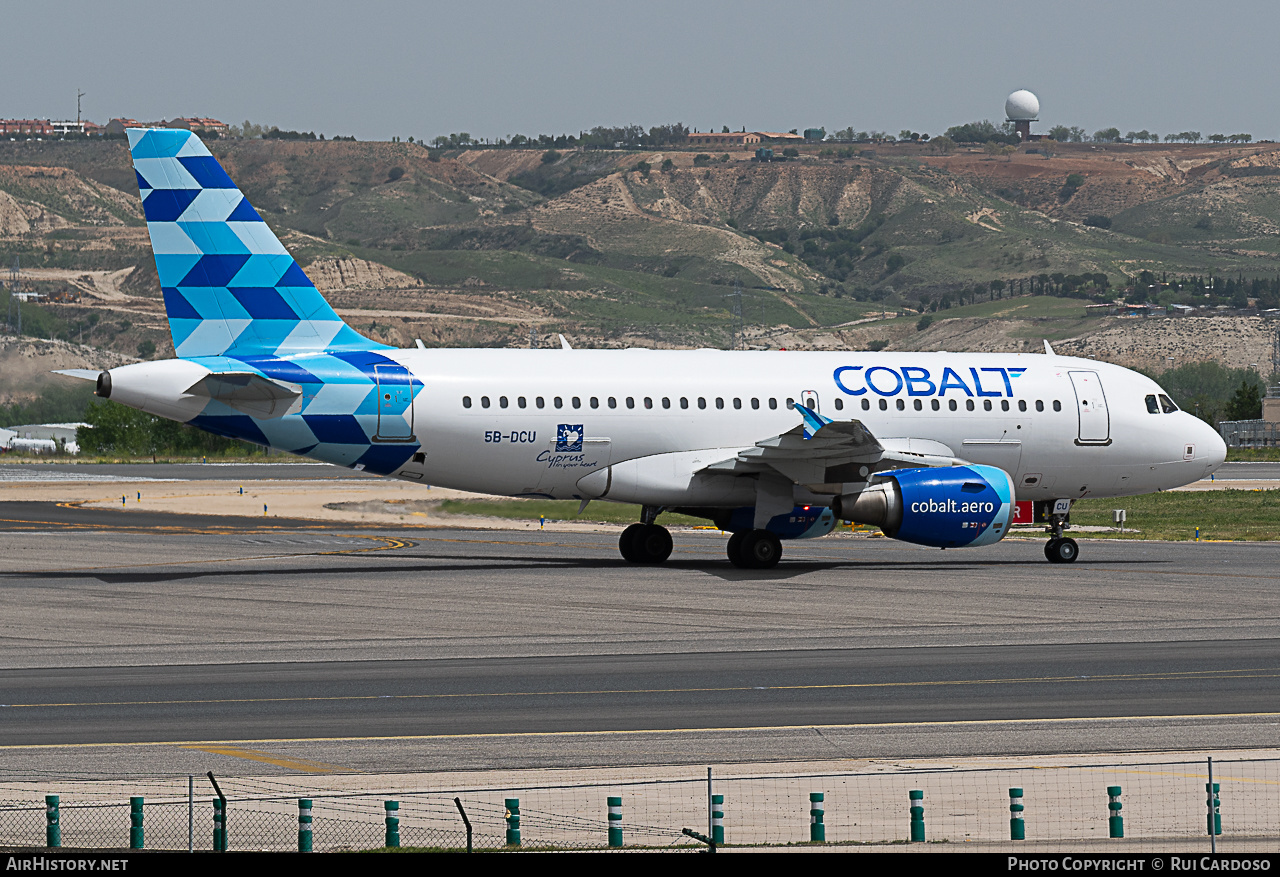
249, 393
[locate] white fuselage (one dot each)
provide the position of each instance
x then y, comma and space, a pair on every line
502, 421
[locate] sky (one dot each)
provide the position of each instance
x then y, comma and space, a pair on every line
493, 68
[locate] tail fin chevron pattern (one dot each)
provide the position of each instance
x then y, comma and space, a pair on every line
230, 287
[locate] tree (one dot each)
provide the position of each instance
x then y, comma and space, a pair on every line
980, 132
1107, 135
550, 157
1246, 404
667, 165
943, 144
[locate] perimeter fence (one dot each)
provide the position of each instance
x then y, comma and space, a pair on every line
1125, 806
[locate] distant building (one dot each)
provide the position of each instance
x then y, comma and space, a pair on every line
776, 137
734, 138
200, 125
117, 126
30, 127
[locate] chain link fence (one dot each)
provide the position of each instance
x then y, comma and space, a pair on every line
1063, 805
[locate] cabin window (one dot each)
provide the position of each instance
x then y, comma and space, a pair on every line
558, 402
1022, 404
811, 404
466, 401
1166, 404
755, 404
613, 403
631, 402
773, 404
901, 405
917, 404
648, 402
595, 402
737, 403
1039, 405
986, 404
968, 404
884, 404
484, 401
1057, 406
791, 403
839, 404
719, 403
502, 401
866, 404
951, 403
1004, 404
577, 402
520, 401
702, 402
684, 402
666, 402
935, 404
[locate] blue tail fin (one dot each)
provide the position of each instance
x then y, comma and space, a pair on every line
230, 287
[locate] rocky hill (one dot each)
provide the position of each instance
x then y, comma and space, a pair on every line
614, 247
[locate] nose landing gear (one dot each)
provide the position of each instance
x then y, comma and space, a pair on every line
1061, 550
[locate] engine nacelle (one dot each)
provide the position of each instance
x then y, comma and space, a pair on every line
954, 507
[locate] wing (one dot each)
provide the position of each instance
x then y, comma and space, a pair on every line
832, 456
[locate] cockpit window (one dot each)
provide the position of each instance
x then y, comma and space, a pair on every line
1166, 404
1153, 407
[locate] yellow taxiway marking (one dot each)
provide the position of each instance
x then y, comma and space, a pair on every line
1256, 673
967, 723
268, 758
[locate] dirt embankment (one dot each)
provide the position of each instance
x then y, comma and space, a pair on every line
26, 365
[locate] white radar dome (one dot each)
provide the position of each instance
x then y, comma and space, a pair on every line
1022, 106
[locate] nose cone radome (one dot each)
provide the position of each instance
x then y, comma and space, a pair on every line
1215, 449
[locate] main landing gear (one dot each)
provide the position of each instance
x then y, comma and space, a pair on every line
645, 542
754, 549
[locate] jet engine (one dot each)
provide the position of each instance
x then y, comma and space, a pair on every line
954, 507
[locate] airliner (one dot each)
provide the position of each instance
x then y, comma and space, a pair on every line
934, 449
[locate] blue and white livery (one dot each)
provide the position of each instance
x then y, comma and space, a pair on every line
934, 448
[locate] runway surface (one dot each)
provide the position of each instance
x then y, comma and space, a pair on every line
160, 643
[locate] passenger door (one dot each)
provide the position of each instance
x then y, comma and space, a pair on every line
1091, 407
